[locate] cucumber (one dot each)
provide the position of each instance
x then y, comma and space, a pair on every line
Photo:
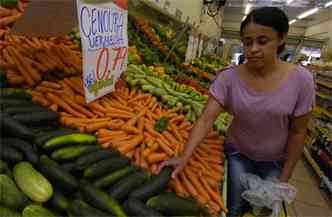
170, 204
75, 138
105, 166
43, 137
69, 167
15, 128
36, 211
155, 186
25, 109
58, 201
73, 152
101, 200
110, 179
10, 154
80, 208
14, 93
36, 117
86, 160
6, 212
5, 102
32, 183
23, 146
123, 188
4, 169
10, 195
135, 207
8, 3
58, 176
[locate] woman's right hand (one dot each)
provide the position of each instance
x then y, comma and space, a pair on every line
178, 163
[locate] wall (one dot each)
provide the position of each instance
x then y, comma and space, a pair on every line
321, 31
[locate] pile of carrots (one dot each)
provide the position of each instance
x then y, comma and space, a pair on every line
125, 119
12, 14
28, 61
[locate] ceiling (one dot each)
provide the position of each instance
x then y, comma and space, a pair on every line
235, 10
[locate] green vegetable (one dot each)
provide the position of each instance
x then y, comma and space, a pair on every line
80, 208
15, 128
161, 125
105, 166
25, 109
43, 137
170, 204
8, 3
36, 117
108, 180
10, 195
101, 200
10, 154
73, 152
14, 93
75, 138
57, 175
4, 169
6, 212
36, 211
32, 183
58, 201
87, 160
135, 207
23, 146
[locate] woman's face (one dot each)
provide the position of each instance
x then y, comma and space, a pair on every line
260, 44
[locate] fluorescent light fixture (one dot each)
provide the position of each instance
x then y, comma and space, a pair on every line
292, 21
328, 4
244, 17
248, 7
308, 13
289, 1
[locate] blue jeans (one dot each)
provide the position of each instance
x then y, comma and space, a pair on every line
239, 164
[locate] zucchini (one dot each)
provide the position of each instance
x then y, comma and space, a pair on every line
80, 208
25, 109
155, 186
85, 161
58, 201
69, 167
36, 211
10, 154
14, 93
8, 3
123, 188
5, 102
170, 204
58, 176
110, 179
73, 152
105, 166
43, 137
75, 138
32, 183
135, 207
10, 195
15, 128
6, 212
101, 200
4, 169
23, 146
36, 117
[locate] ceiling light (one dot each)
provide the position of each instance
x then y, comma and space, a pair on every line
292, 21
308, 13
328, 4
248, 7
289, 1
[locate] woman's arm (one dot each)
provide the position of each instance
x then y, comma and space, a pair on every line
295, 144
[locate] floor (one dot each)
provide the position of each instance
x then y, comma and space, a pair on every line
311, 201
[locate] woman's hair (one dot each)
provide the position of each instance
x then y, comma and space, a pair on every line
269, 16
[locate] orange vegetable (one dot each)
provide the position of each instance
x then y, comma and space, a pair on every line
187, 184
57, 100
130, 144
156, 157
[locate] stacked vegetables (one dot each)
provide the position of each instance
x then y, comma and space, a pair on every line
27, 61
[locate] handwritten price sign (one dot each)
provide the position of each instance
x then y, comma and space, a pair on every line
103, 29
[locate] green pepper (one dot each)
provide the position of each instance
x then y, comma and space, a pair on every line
161, 124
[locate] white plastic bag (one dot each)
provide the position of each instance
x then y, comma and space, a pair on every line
266, 193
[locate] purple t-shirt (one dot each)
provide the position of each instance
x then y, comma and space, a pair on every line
261, 120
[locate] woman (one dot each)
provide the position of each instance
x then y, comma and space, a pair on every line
270, 100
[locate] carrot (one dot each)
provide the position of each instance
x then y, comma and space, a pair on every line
215, 195
95, 126
132, 93
105, 145
184, 125
119, 115
165, 147
139, 97
212, 160
54, 107
119, 111
40, 100
213, 135
105, 132
76, 106
177, 118
147, 101
176, 133
130, 154
115, 124
96, 106
150, 129
73, 86
213, 183
214, 207
130, 129
137, 156
152, 102
187, 184
57, 100
117, 105
179, 188
195, 181
156, 157
201, 160
130, 144
154, 147
154, 168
